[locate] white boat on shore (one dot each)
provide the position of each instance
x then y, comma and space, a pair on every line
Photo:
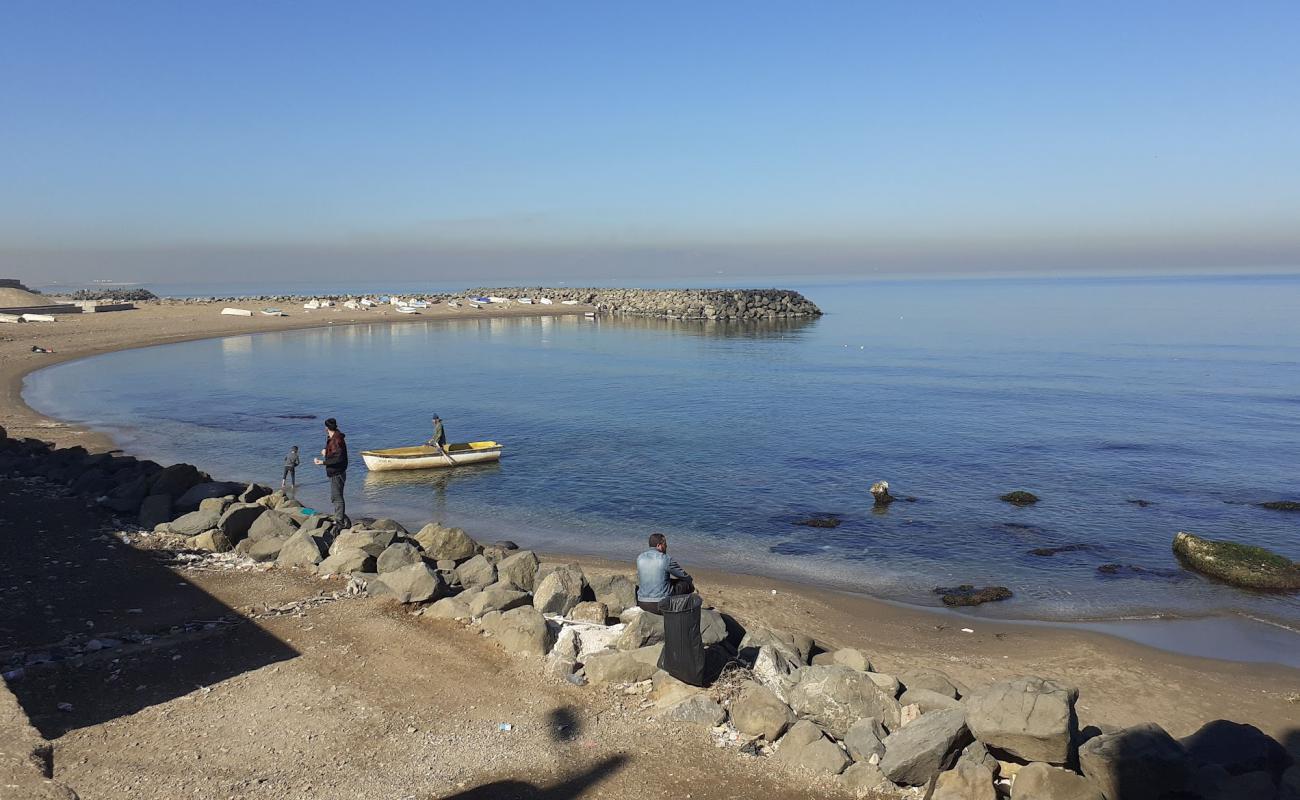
273, 312
311, 305
528, 301
568, 302
229, 312
407, 310
426, 457
495, 299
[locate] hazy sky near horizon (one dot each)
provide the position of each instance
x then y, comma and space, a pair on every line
190, 141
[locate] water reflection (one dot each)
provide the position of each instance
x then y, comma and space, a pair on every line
422, 483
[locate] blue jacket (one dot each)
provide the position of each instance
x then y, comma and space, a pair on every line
653, 570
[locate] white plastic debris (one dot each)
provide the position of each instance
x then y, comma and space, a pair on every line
967, 630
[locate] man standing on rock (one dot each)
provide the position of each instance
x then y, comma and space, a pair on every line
335, 460
659, 576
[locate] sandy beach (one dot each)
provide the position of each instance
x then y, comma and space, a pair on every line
1120, 683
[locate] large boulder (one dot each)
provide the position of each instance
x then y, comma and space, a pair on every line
775, 671
254, 492
797, 647
414, 583
448, 608
176, 480
851, 657
522, 630
396, 556
212, 541
386, 524
1029, 718
189, 500
559, 591
478, 571
356, 539
346, 561
155, 510
642, 629
217, 504
927, 700
128, 495
195, 522
519, 570
866, 738
1039, 781
759, 712
618, 666
615, 591
713, 627
237, 519
697, 709
1138, 763
915, 753
806, 748
1237, 564
267, 549
836, 696
1237, 747
931, 679
862, 778
496, 598
589, 611
966, 781
301, 550
446, 543
272, 524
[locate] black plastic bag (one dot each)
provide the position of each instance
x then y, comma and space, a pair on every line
683, 654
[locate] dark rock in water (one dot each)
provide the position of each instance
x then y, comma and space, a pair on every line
968, 595
1065, 548
1019, 498
1237, 564
794, 549
1133, 569
295, 416
1141, 503
1281, 505
880, 491
506, 544
819, 522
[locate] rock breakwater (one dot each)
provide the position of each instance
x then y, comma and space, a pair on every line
710, 304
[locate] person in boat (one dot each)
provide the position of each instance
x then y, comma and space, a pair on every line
335, 460
439, 438
291, 462
659, 576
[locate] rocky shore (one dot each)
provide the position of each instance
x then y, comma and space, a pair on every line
777, 693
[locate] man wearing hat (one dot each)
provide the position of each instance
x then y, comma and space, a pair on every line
439, 439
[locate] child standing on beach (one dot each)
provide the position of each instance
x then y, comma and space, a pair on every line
290, 467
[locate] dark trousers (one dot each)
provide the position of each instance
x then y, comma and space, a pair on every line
290, 477
674, 587
341, 520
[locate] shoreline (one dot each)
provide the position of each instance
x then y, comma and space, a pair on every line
168, 322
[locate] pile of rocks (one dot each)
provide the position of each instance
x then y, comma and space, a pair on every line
814, 708
714, 304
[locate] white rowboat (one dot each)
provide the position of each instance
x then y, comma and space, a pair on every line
232, 312
426, 457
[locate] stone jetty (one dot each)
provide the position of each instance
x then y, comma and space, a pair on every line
713, 304
809, 706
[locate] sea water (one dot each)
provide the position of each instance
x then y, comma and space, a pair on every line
1097, 393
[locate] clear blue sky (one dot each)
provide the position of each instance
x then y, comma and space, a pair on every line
432, 139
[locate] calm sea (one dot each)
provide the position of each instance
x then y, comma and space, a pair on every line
1183, 393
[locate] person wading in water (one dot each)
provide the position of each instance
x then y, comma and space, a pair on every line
335, 460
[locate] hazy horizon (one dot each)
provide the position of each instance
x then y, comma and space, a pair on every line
161, 142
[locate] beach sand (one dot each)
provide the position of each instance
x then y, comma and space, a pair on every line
1120, 682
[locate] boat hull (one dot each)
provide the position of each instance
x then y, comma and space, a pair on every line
424, 457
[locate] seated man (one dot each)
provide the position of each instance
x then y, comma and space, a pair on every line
659, 576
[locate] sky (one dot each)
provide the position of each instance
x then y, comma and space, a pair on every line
209, 141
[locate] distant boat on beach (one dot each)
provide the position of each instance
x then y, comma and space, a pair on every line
407, 310
546, 301
528, 301
426, 457
311, 305
273, 312
233, 312
568, 302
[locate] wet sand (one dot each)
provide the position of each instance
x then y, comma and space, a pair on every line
1121, 682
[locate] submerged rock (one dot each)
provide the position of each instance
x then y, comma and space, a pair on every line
968, 595
819, 522
1281, 505
1065, 548
1019, 498
1237, 564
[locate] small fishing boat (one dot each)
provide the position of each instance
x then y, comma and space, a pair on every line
495, 299
528, 301
426, 457
546, 301
475, 306
311, 305
352, 304
568, 302
418, 304
367, 302
407, 310
591, 314
453, 304
229, 312
273, 312
482, 300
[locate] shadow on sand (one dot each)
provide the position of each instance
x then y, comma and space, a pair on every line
572, 787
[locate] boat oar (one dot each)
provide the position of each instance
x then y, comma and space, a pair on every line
445, 454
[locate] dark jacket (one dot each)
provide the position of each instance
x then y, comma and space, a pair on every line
336, 454
291, 460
